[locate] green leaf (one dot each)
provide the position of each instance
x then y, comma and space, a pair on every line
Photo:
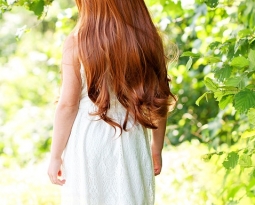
239, 62
251, 86
226, 100
248, 134
212, 59
245, 161
231, 160
229, 90
212, 3
218, 95
190, 54
251, 116
239, 44
225, 91
189, 63
245, 32
210, 84
251, 58
244, 100
252, 43
37, 7
214, 45
200, 98
223, 73
249, 74
234, 81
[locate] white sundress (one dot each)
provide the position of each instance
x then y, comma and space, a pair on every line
103, 168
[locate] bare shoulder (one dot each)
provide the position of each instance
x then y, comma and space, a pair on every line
70, 50
71, 41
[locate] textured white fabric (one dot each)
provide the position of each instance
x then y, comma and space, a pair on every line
103, 168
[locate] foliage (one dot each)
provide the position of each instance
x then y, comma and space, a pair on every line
30, 83
215, 71
184, 180
217, 46
36, 6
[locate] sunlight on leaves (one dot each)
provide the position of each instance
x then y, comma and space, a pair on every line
231, 160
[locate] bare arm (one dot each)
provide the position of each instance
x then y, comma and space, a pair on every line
66, 110
157, 144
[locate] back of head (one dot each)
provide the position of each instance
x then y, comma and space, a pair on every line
122, 53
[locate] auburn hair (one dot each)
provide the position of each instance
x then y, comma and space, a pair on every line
122, 53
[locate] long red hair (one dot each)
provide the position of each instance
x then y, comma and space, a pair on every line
122, 53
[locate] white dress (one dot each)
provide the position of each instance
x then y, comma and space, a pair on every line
103, 168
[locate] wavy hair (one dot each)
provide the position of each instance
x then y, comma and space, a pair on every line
122, 53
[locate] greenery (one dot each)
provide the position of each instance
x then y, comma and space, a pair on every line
214, 80
183, 181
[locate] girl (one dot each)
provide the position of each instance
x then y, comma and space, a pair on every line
115, 85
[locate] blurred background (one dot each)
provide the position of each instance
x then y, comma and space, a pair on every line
208, 155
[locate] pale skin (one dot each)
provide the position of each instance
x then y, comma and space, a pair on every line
66, 112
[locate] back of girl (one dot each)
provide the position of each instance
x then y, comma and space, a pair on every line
114, 87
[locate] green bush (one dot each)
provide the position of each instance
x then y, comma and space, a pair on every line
214, 81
